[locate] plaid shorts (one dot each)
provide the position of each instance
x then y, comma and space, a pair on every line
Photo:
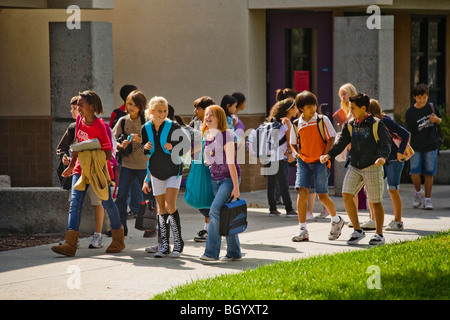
371, 177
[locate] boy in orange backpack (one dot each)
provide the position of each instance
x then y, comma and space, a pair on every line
316, 136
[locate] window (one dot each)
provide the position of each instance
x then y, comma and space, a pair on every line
428, 55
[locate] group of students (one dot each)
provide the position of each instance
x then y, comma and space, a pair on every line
154, 160
375, 147
151, 154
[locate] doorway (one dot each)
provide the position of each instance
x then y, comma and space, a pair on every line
300, 57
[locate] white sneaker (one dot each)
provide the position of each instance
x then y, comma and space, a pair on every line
152, 249
303, 235
418, 199
427, 204
368, 225
336, 229
394, 226
309, 216
356, 237
96, 241
376, 240
323, 214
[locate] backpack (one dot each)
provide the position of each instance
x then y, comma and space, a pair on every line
162, 139
374, 129
320, 127
119, 114
262, 140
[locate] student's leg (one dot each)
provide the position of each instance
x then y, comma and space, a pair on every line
271, 191
321, 187
353, 182
222, 190
302, 200
311, 202
374, 182
415, 169
378, 211
393, 172
283, 183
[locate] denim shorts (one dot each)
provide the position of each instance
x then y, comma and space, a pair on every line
423, 163
393, 172
312, 174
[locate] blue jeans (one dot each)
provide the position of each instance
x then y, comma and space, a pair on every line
308, 172
76, 207
126, 181
222, 191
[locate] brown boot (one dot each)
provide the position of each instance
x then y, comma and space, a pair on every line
69, 247
117, 243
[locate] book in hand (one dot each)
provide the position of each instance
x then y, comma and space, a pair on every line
91, 144
340, 116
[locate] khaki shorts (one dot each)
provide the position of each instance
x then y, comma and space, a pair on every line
371, 177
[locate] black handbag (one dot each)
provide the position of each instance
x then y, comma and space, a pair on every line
233, 217
146, 217
65, 183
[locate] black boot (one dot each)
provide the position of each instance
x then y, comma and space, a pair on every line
178, 243
163, 236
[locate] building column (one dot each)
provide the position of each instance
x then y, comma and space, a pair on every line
80, 59
365, 58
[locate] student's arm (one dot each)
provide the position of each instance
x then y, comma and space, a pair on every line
339, 146
385, 141
229, 153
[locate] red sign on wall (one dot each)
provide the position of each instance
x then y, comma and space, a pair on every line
301, 81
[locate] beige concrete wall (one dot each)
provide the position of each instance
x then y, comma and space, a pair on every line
175, 48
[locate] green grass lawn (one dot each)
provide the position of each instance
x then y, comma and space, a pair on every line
405, 270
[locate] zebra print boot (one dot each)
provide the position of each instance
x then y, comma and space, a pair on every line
163, 236
178, 243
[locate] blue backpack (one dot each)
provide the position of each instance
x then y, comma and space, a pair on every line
162, 139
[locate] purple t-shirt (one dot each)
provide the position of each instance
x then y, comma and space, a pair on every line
216, 157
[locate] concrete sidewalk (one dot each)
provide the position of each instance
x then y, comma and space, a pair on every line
38, 273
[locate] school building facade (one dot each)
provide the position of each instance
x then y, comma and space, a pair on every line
182, 50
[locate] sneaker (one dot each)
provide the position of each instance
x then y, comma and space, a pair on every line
336, 229
427, 204
323, 214
152, 249
201, 236
207, 258
376, 240
394, 226
355, 237
96, 241
274, 213
368, 225
418, 199
174, 254
292, 214
303, 235
229, 259
309, 216
161, 254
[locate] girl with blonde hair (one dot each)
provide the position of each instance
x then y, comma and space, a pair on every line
164, 170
